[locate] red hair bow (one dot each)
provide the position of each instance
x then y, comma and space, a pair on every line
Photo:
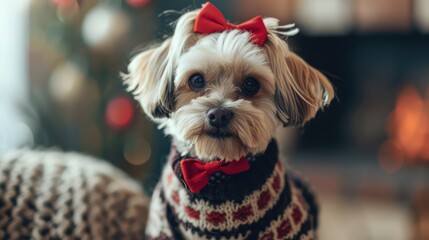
196, 173
211, 20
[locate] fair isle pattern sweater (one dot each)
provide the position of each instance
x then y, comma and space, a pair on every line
261, 203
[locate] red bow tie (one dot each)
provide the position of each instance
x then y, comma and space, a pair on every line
196, 173
211, 20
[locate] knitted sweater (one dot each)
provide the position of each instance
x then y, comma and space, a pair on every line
264, 202
53, 195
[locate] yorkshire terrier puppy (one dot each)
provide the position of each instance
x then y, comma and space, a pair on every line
220, 91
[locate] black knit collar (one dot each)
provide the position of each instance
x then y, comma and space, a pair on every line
222, 187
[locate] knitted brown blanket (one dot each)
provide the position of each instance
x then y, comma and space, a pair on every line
53, 195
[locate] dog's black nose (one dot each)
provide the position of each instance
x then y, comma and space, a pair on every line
219, 117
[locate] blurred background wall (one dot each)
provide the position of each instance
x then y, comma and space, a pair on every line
15, 128
367, 155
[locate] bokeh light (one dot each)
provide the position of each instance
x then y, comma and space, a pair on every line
138, 3
104, 27
66, 82
137, 151
120, 112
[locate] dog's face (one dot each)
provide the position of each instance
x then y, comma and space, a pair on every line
220, 96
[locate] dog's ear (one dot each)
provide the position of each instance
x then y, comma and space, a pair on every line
151, 73
301, 90
149, 80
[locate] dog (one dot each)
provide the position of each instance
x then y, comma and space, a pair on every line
221, 91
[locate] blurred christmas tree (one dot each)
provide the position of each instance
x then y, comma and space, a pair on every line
77, 49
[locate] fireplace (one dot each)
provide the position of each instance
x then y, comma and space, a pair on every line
407, 128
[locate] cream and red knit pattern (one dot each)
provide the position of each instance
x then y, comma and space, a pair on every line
279, 207
199, 212
53, 195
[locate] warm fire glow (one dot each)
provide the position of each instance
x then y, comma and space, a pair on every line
408, 130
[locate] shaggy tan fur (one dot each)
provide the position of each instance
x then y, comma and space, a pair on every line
291, 90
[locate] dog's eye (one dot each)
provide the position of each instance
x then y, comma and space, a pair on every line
250, 87
196, 82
